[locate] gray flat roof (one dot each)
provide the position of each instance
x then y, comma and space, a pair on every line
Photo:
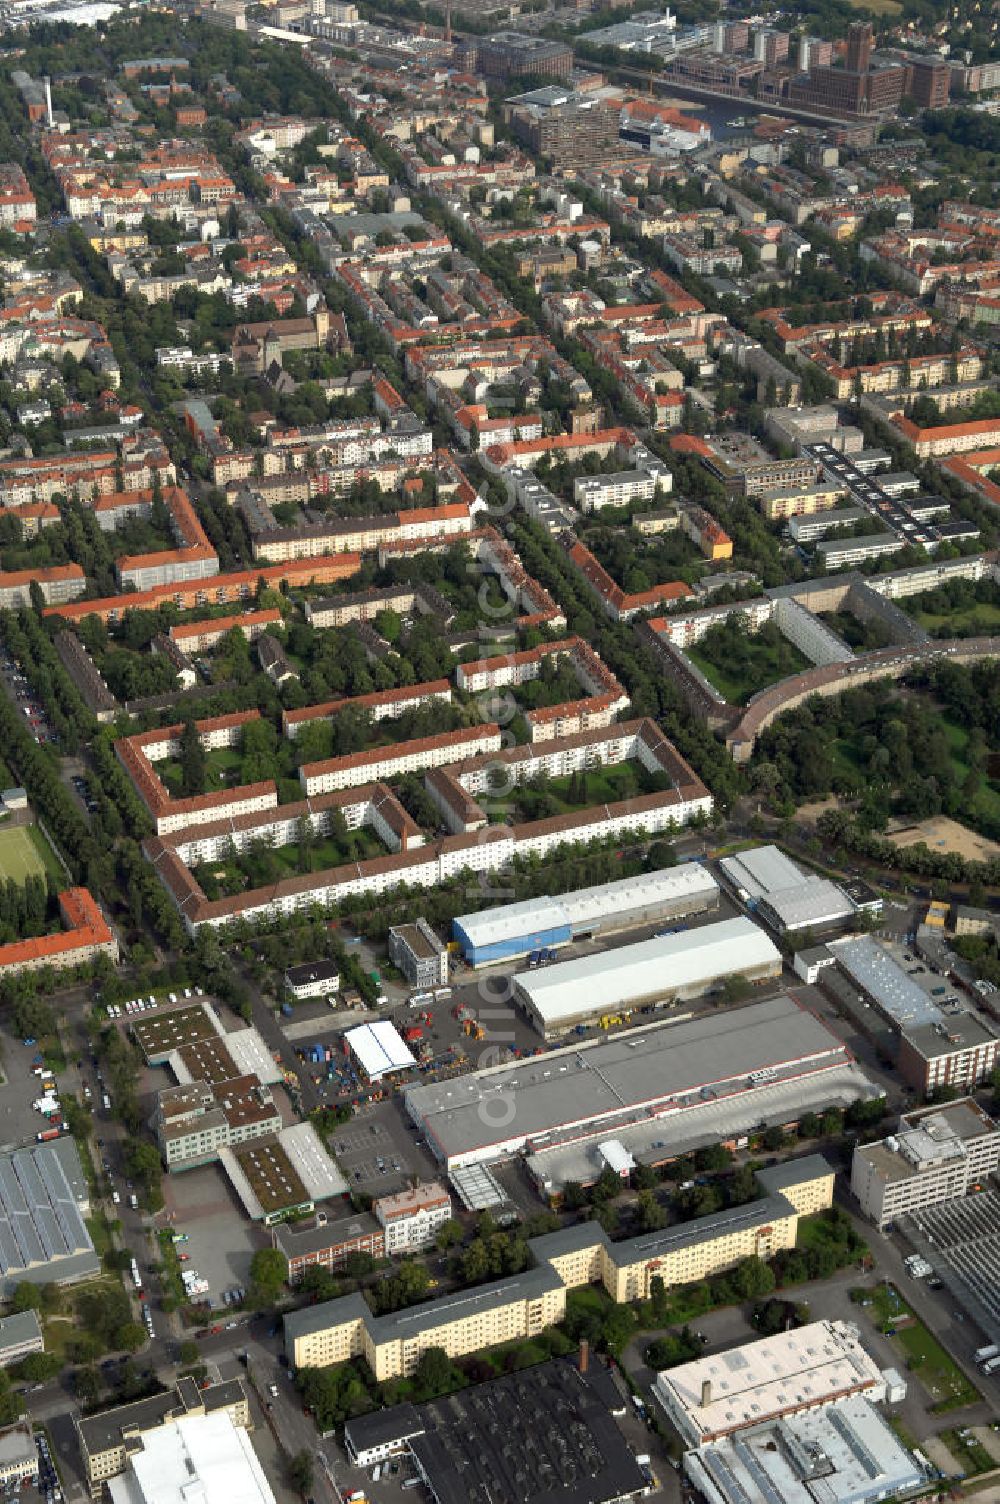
295, 1240
585, 1085
23, 1326
654, 1140
963, 1031
383, 1426
42, 1232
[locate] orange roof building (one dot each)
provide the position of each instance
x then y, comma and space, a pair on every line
87, 934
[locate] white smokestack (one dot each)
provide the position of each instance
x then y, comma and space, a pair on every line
48, 102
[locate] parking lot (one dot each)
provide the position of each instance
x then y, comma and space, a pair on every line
221, 1240
19, 1089
379, 1153
17, 687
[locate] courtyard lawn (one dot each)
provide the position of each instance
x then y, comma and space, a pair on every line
764, 662
222, 770
272, 864
24, 852
544, 798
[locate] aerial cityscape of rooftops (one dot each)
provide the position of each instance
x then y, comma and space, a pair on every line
499, 752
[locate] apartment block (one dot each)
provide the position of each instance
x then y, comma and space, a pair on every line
523, 1306
411, 1218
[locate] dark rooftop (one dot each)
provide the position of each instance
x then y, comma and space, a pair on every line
478, 1447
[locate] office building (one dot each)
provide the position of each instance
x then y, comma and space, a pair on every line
107, 1440
938, 1042
193, 1457
20, 1335
508, 54
860, 40
564, 127
934, 1155
327, 1242
194, 1121
419, 954
18, 1457
312, 979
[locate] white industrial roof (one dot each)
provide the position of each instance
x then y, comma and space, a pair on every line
815, 901
252, 1055
513, 919
761, 871
616, 978
198, 1459
616, 1156
317, 1171
843, 1453
380, 1048
588, 905
796, 898
750, 1384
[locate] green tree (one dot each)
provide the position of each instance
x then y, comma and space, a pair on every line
434, 1374
193, 760
301, 1472
26, 1297
448, 1234
37, 1367
130, 1336
268, 1275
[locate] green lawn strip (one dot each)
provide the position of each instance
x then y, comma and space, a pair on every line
940, 1376
50, 862
983, 618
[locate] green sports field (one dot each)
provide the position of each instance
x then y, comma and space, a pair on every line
24, 852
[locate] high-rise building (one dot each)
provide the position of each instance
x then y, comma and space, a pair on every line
930, 82
859, 46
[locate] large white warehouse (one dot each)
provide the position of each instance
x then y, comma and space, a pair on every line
668, 967
512, 930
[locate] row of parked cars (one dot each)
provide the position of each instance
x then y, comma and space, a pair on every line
141, 1004
82, 788
30, 707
